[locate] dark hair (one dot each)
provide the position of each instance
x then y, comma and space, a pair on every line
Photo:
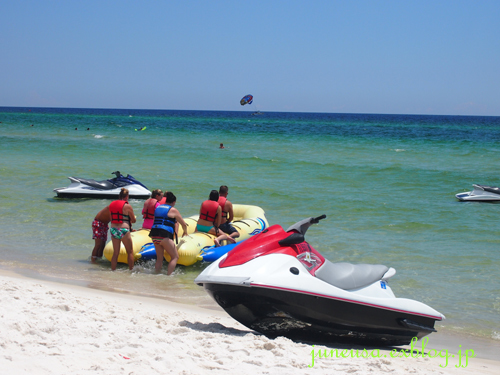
123, 193
223, 189
214, 195
170, 197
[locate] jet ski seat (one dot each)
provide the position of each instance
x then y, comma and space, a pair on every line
104, 185
491, 189
349, 276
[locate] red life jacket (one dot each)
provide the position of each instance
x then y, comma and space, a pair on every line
209, 210
222, 203
116, 209
163, 201
150, 209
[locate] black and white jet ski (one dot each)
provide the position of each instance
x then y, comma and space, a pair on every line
109, 189
277, 284
480, 193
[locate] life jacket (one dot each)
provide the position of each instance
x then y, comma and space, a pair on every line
162, 220
208, 210
222, 203
163, 200
150, 209
116, 210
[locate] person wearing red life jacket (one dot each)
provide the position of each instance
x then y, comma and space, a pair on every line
210, 218
148, 211
164, 199
227, 213
122, 218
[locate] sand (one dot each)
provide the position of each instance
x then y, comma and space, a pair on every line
50, 328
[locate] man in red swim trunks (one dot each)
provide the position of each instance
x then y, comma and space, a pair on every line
100, 232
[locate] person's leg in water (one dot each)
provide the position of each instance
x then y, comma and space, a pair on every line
129, 247
98, 249
160, 251
116, 251
170, 248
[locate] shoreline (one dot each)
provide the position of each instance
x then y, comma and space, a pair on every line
67, 327
444, 338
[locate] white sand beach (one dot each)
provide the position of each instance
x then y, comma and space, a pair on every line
51, 328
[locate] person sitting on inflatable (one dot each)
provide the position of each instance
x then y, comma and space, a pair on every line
164, 199
148, 211
210, 218
227, 213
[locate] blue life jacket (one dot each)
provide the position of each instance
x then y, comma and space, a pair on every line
162, 220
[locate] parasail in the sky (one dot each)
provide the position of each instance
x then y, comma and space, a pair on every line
247, 99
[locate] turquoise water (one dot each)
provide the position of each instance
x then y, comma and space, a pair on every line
385, 182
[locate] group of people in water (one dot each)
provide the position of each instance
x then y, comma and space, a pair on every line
162, 219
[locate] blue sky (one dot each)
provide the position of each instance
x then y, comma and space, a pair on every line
413, 57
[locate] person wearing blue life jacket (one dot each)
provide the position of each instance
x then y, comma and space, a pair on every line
165, 227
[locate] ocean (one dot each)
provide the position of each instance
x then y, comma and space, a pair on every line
387, 184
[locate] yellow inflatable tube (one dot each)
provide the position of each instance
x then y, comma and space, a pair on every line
248, 220
139, 239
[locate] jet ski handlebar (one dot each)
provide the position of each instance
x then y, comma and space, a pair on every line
303, 225
315, 220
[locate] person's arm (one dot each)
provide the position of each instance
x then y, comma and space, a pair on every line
144, 209
230, 215
218, 217
130, 213
181, 221
199, 215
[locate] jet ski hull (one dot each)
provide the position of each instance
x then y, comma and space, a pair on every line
478, 195
106, 189
304, 316
97, 194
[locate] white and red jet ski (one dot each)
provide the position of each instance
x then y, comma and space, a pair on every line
277, 284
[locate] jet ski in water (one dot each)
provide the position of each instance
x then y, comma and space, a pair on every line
277, 284
84, 188
480, 193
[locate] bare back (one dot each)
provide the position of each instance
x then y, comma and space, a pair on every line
104, 215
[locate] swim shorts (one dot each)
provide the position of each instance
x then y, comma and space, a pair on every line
203, 228
99, 230
118, 233
227, 228
158, 234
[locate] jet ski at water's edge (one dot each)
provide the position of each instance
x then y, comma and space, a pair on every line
277, 284
86, 188
480, 193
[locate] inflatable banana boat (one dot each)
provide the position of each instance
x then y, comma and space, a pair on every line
248, 221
